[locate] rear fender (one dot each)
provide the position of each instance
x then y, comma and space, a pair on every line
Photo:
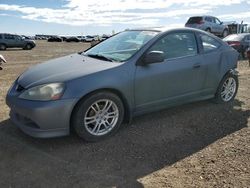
228, 62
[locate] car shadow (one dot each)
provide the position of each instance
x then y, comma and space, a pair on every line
152, 142
12, 49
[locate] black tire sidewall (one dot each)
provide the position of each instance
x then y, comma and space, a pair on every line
28, 47
4, 47
82, 107
218, 98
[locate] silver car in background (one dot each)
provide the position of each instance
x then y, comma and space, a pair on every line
208, 23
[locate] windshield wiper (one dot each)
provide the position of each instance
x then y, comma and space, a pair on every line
99, 56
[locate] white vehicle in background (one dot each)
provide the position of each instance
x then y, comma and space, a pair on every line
2, 60
87, 38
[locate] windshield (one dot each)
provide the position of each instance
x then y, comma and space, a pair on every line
121, 46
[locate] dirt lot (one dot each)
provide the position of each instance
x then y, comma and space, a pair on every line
195, 145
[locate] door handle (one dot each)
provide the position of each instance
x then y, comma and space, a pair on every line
196, 65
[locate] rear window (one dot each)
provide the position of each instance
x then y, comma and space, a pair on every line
194, 20
209, 43
234, 38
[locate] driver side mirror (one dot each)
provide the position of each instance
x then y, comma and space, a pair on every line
221, 23
153, 57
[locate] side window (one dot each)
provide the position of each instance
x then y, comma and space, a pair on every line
0, 36
9, 37
208, 19
176, 45
212, 20
18, 37
209, 43
217, 21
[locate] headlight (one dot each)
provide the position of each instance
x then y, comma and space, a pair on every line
44, 92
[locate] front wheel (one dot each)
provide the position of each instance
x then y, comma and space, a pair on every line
227, 89
28, 47
98, 116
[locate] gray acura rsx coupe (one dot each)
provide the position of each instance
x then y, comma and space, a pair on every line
132, 73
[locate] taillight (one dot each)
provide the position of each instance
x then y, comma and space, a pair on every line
234, 43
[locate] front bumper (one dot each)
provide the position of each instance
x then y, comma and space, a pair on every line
41, 119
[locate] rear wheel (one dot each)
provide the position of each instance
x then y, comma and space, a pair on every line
227, 89
98, 116
3, 47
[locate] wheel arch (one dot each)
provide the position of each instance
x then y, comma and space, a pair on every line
29, 43
127, 108
4, 44
231, 71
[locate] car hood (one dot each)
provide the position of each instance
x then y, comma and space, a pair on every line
63, 69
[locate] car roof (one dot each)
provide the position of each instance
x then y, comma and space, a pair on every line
166, 29
8, 34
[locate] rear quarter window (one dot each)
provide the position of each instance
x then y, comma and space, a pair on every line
208, 43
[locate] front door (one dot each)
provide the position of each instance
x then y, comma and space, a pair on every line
179, 77
19, 42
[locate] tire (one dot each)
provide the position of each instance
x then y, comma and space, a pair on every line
225, 33
28, 47
3, 47
98, 116
226, 92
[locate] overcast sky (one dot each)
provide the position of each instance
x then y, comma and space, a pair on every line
74, 17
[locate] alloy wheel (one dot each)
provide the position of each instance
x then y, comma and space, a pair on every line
228, 89
101, 117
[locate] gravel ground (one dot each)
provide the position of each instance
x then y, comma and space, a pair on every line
195, 145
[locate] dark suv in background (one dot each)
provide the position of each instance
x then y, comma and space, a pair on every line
208, 23
15, 41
